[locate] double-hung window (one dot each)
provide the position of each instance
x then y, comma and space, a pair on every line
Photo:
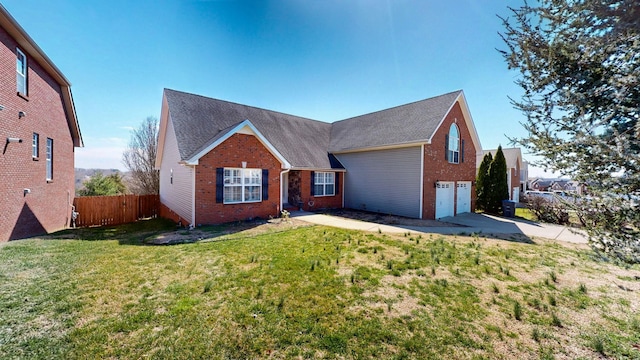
324, 184
35, 144
21, 72
242, 185
453, 154
49, 159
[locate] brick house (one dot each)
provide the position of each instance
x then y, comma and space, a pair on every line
221, 161
38, 134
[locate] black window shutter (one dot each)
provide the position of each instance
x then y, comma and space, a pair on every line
337, 185
446, 147
265, 184
461, 151
313, 183
219, 185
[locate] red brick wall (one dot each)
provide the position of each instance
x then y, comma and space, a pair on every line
515, 179
231, 153
437, 168
312, 203
46, 208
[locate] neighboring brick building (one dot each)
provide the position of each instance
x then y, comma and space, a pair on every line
38, 133
221, 161
516, 183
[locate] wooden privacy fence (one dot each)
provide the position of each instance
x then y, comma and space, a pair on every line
115, 210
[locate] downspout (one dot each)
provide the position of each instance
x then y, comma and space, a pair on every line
344, 181
193, 198
422, 185
280, 192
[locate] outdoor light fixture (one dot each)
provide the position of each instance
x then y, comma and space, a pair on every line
1, 107
21, 114
244, 164
16, 140
26, 191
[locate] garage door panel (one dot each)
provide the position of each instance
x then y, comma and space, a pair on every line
444, 199
463, 197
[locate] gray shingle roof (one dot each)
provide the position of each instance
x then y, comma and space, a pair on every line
199, 121
410, 123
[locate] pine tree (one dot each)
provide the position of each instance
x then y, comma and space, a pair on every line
498, 189
579, 70
482, 181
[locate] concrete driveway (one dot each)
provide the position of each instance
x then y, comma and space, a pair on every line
467, 223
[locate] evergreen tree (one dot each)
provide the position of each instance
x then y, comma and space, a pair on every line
482, 181
579, 70
500, 186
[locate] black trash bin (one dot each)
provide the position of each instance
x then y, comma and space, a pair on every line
508, 208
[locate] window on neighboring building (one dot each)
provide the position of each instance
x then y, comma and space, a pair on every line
35, 143
453, 146
49, 159
242, 185
324, 184
21, 72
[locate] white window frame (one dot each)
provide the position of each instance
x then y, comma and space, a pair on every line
21, 72
326, 179
243, 179
453, 154
35, 145
49, 159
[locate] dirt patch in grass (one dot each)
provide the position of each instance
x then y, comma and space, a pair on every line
224, 231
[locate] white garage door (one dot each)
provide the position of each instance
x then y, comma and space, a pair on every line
444, 199
463, 198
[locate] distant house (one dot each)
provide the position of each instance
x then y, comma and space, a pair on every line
560, 185
39, 131
541, 184
517, 170
576, 187
221, 161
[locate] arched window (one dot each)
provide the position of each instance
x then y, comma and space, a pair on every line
453, 145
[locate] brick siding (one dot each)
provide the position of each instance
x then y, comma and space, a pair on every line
302, 180
231, 153
437, 168
47, 208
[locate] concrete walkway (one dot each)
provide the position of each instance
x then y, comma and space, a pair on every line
468, 223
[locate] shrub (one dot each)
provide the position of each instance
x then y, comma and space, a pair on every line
547, 211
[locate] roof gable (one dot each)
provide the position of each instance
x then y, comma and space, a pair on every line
512, 156
244, 127
32, 49
199, 121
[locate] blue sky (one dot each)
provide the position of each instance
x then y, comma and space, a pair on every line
326, 60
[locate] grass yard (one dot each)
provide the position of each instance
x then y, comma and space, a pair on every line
278, 291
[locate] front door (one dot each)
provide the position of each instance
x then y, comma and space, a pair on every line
285, 188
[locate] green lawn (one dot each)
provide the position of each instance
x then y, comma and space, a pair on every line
310, 292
